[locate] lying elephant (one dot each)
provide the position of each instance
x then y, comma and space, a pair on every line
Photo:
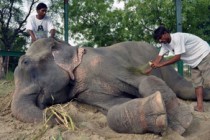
53, 72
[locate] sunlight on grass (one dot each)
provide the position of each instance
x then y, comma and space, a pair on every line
7, 84
6, 87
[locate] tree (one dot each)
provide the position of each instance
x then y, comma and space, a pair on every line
12, 20
101, 25
90, 19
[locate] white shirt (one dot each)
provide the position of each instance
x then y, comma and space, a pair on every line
191, 48
41, 27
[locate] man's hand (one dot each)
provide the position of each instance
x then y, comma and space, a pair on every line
148, 71
52, 33
33, 39
156, 65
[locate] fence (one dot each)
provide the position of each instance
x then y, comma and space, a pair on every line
11, 53
14, 56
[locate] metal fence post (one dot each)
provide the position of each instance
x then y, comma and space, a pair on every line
66, 35
179, 29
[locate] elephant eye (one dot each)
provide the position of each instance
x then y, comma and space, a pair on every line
25, 61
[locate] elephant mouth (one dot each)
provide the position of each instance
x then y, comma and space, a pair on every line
48, 98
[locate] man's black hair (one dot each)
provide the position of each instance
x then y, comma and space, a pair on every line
40, 6
159, 32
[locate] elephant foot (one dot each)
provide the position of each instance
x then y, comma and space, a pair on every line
139, 116
179, 118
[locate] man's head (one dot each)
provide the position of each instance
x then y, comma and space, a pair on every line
162, 35
41, 10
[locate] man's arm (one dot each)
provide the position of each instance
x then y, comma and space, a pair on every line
157, 59
31, 33
52, 33
157, 62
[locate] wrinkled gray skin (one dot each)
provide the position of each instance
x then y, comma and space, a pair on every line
53, 72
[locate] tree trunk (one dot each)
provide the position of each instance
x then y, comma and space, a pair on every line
2, 74
6, 68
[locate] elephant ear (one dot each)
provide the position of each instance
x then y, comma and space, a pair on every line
67, 57
41, 49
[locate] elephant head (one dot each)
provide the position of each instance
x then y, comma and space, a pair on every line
43, 78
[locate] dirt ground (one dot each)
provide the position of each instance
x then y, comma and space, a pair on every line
89, 124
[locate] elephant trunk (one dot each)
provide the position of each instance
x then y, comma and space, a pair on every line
24, 106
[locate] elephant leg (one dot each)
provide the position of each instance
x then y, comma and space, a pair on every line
179, 115
139, 115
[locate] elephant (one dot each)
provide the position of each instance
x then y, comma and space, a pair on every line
54, 72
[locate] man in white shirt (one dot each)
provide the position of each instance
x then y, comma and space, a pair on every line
193, 50
38, 26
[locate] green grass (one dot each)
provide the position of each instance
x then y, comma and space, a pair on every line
9, 76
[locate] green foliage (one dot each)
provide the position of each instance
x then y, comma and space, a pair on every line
196, 18
93, 20
141, 17
20, 44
